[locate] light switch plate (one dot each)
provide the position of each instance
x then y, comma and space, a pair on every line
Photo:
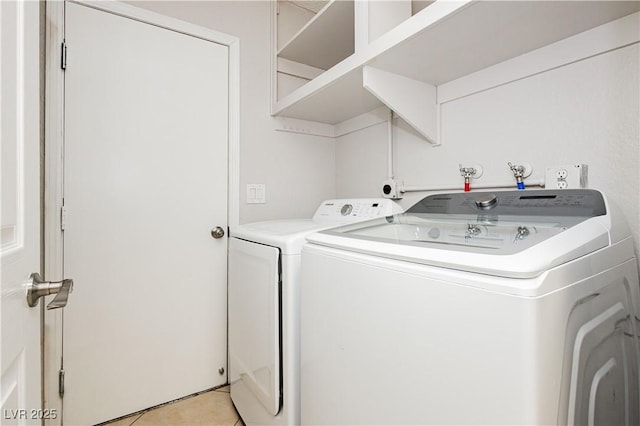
256, 193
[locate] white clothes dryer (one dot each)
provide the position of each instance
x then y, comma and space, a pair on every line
514, 307
264, 307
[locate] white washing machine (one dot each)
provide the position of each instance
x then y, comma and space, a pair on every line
516, 307
264, 307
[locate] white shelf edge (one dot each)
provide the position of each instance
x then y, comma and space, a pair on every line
319, 83
297, 69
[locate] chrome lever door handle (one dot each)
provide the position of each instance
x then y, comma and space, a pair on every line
39, 287
60, 301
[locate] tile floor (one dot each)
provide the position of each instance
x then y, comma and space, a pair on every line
209, 408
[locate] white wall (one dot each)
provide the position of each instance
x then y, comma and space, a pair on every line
586, 112
298, 170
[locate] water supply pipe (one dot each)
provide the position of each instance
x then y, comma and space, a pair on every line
530, 183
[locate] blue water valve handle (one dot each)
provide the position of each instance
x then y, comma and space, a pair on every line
518, 173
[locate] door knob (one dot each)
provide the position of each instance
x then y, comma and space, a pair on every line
217, 232
39, 287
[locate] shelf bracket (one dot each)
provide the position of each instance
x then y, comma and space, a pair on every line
414, 101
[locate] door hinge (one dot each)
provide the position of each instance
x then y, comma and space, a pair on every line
63, 56
63, 217
61, 383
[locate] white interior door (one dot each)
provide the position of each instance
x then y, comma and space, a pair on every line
146, 136
20, 205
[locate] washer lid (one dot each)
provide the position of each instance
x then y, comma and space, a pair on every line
509, 233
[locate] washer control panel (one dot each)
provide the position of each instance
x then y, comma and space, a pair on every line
540, 203
355, 209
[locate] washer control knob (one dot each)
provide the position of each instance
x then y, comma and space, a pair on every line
486, 201
346, 210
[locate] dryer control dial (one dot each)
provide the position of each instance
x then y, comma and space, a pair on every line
346, 210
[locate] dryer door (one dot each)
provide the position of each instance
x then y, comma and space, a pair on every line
254, 321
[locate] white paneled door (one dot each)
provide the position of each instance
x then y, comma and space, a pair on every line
20, 215
145, 182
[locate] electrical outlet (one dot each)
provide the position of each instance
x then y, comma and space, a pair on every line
566, 176
562, 174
